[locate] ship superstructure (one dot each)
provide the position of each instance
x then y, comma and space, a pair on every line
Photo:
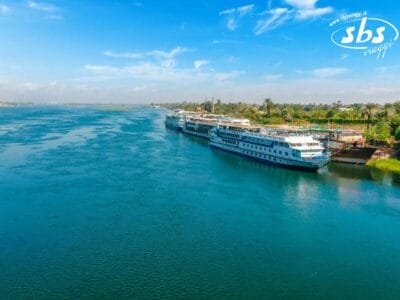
287, 149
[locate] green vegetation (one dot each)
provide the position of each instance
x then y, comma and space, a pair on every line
388, 164
380, 123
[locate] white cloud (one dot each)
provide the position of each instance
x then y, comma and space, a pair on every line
199, 63
218, 42
306, 9
101, 69
244, 10
304, 14
43, 6
302, 3
233, 15
168, 63
274, 18
300, 10
200, 85
159, 64
123, 54
227, 11
328, 72
160, 72
168, 55
4, 9
154, 53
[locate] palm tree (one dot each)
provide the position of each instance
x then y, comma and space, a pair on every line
387, 110
268, 106
287, 114
357, 110
368, 112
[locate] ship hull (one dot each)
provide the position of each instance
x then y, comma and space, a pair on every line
173, 125
196, 133
285, 163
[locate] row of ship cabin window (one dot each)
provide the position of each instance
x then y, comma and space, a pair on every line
261, 155
264, 148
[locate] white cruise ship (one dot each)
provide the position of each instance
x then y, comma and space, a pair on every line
176, 120
200, 125
292, 150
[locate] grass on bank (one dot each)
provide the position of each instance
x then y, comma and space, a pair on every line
388, 164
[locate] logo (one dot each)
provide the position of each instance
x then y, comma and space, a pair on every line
372, 36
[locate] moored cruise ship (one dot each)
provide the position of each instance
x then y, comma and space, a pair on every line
176, 120
292, 150
200, 125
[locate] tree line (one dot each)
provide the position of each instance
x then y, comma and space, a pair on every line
381, 122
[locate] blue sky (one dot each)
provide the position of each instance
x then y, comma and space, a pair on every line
139, 51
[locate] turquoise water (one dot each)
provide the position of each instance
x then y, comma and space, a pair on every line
110, 204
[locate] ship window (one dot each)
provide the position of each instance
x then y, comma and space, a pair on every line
274, 151
286, 154
280, 152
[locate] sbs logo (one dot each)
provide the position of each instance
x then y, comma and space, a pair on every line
372, 35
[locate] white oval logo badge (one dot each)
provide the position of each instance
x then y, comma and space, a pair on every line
371, 35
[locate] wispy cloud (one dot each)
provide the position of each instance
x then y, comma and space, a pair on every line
233, 15
298, 10
218, 42
148, 71
43, 6
306, 9
153, 53
199, 63
244, 10
101, 69
273, 18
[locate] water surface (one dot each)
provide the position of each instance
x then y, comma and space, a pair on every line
110, 204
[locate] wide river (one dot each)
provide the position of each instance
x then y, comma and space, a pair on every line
108, 204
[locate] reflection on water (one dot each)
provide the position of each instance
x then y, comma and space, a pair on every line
352, 185
362, 172
334, 169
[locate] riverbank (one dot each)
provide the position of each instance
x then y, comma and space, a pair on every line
387, 164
